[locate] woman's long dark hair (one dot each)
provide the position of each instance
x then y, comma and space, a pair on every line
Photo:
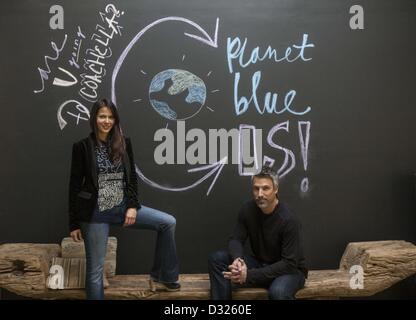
116, 143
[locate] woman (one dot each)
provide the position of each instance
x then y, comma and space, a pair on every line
103, 192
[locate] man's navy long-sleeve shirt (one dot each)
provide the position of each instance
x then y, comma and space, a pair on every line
275, 241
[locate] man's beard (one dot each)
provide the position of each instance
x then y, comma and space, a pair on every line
261, 203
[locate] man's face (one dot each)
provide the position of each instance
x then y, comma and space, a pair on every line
264, 193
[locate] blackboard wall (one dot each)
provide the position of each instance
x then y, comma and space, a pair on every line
353, 148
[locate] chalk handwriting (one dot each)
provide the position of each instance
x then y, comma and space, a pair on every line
77, 47
44, 74
304, 129
65, 83
236, 51
94, 63
76, 110
289, 161
241, 104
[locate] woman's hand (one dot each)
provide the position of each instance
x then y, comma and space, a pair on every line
130, 217
76, 235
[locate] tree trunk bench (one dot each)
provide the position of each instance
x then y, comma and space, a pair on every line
24, 269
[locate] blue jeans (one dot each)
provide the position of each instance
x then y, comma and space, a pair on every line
165, 265
281, 288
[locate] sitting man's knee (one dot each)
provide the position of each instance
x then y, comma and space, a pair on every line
218, 257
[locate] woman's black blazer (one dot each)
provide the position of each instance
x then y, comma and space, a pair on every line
83, 185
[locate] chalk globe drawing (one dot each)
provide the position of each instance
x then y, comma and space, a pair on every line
181, 80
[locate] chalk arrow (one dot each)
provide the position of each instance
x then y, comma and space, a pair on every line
205, 38
213, 168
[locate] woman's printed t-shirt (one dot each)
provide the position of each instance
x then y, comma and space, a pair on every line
111, 183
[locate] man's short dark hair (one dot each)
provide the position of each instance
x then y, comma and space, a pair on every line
268, 172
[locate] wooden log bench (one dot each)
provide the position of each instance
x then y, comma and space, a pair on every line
24, 269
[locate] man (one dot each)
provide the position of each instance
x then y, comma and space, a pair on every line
274, 234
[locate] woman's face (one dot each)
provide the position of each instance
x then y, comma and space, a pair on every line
105, 121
